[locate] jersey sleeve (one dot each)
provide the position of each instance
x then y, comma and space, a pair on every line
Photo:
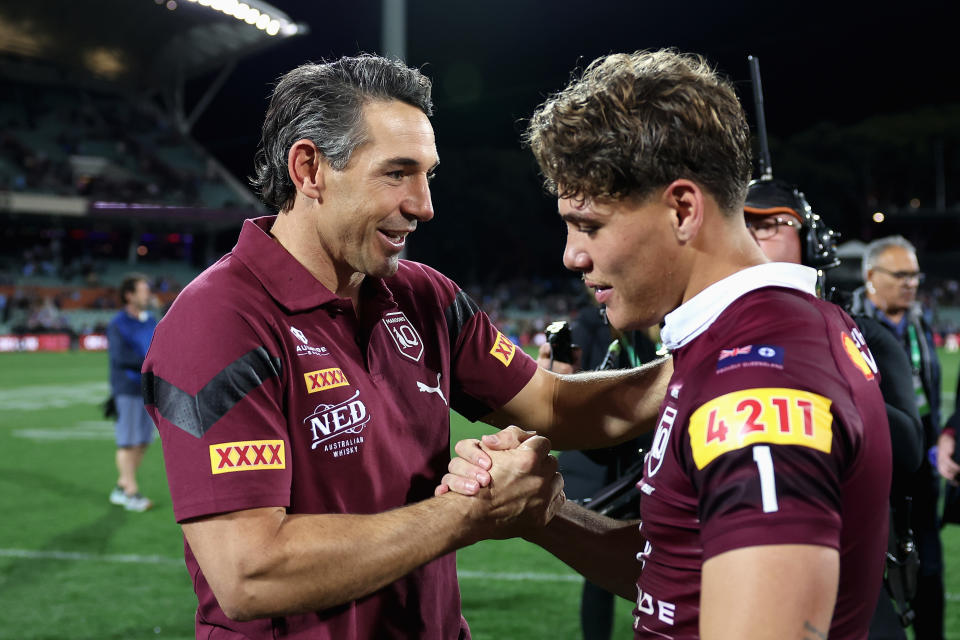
765, 458
487, 368
213, 385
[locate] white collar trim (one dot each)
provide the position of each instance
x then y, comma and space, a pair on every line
695, 316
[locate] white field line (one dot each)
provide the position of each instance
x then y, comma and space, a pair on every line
27, 554
50, 396
82, 430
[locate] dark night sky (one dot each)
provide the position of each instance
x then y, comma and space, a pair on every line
492, 62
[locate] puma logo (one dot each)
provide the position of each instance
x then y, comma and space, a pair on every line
425, 389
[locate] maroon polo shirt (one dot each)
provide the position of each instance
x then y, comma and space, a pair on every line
269, 390
773, 432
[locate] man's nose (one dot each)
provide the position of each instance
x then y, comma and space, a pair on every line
418, 202
576, 258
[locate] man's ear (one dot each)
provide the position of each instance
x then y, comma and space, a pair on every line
305, 165
685, 200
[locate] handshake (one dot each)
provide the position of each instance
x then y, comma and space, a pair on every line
508, 483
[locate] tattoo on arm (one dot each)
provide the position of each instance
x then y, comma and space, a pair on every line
817, 634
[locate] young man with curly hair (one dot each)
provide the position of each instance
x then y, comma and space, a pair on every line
764, 496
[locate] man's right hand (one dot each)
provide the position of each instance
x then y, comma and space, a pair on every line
517, 489
469, 471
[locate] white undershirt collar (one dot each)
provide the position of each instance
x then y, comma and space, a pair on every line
695, 316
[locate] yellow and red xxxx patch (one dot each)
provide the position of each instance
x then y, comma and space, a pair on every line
324, 379
247, 455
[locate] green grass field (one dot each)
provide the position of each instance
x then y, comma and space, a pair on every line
74, 567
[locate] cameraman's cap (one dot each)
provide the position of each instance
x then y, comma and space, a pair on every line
769, 197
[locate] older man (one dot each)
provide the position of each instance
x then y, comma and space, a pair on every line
891, 274
303, 384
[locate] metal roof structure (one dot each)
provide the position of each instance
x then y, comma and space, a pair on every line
142, 46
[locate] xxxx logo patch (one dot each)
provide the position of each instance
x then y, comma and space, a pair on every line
249, 455
324, 379
503, 350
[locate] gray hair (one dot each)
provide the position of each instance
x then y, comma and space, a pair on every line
324, 103
873, 250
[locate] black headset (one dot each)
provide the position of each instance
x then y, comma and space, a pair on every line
818, 242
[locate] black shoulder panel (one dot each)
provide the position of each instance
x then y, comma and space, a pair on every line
196, 414
458, 313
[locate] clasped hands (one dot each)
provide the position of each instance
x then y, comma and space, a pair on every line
512, 479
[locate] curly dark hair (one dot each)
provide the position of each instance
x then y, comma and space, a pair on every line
324, 103
634, 122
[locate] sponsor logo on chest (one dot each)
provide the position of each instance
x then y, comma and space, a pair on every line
324, 379
404, 335
332, 421
303, 347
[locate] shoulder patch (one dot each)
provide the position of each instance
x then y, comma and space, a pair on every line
503, 349
248, 455
858, 352
763, 415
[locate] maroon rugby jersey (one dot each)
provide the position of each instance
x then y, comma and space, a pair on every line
268, 390
773, 432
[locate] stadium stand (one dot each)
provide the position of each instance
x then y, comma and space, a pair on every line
99, 175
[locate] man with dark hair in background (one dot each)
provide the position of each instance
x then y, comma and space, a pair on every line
302, 385
128, 338
765, 491
891, 275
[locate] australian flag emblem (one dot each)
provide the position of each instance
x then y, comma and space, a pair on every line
763, 355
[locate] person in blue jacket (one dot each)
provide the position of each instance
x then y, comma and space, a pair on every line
129, 334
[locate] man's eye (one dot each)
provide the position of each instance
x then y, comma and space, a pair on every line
396, 175
431, 176
588, 229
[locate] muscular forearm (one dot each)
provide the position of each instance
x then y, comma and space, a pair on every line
589, 410
264, 562
601, 549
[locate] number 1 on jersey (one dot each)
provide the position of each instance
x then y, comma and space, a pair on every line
768, 484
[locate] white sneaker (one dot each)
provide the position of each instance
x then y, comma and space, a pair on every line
137, 502
118, 497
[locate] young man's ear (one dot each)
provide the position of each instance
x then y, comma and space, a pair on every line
685, 200
305, 166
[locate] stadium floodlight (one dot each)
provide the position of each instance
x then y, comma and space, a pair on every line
256, 13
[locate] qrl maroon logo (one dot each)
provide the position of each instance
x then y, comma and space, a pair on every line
404, 335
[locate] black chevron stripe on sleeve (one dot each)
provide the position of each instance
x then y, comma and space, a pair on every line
196, 414
457, 314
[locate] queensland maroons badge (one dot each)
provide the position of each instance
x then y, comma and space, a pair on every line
404, 335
